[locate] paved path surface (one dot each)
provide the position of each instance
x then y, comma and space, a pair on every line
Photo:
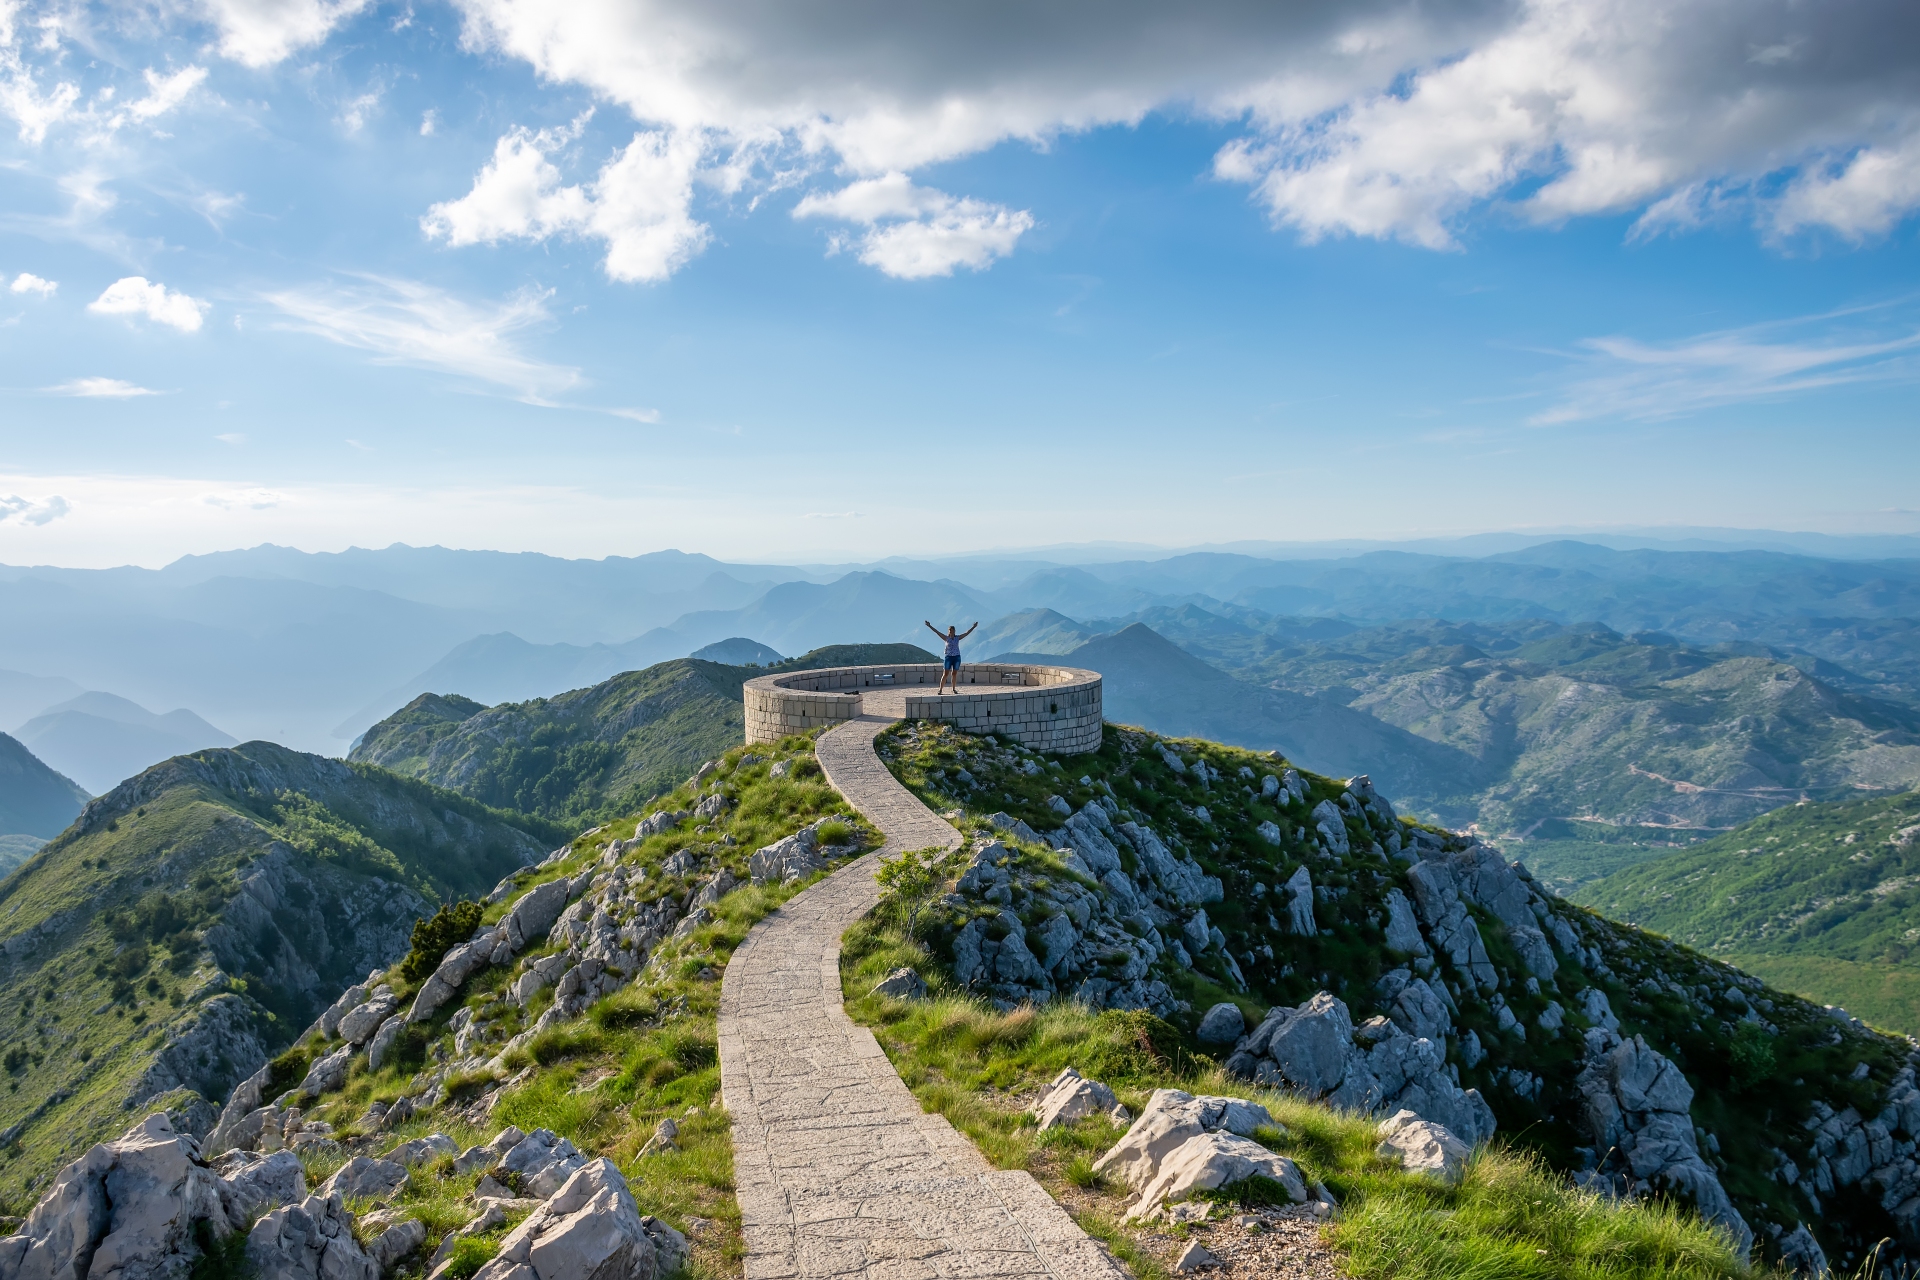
838, 1171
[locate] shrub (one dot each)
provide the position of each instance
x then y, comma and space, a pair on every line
450, 926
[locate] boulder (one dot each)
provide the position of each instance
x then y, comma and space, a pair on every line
487, 1156
1170, 1117
363, 1178
1207, 1161
1223, 1024
256, 1184
793, 858
1332, 826
538, 976
1403, 930
590, 1229
329, 1073
396, 1242
312, 1240
382, 1041
126, 1210
360, 1022
902, 984
244, 1101
1423, 1147
1197, 1256
543, 1162
535, 913
665, 1137
1072, 1097
1298, 893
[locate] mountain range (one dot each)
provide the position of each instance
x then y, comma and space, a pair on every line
99, 739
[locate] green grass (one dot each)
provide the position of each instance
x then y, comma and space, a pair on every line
647, 1052
1510, 1216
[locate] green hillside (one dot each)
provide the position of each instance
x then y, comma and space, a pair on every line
35, 800
1581, 748
199, 916
1822, 899
593, 753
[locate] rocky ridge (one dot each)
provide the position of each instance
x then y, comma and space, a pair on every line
1333, 949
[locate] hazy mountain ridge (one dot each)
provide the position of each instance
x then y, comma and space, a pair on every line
35, 799
100, 739
198, 916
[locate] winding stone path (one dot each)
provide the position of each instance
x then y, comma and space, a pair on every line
837, 1169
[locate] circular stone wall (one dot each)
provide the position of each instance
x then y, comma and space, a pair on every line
1054, 709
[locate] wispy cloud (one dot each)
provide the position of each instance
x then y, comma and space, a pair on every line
26, 511
1629, 378
405, 322
102, 389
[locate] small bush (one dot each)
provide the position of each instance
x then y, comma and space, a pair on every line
834, 833
288, 1070
450, 926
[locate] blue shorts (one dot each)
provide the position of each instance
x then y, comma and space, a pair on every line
953, 662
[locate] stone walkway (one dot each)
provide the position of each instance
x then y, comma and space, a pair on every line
837, 1169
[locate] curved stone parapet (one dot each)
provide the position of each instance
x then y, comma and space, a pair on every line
1053, 709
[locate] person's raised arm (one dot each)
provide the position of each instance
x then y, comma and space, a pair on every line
933, 628
969, 631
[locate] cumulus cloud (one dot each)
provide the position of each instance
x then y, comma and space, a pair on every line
915, 232
259, 33
138, 296
27, 282
33, 109
640, 205
102, 389
26, 511
404, 322
164, 93
1381, 118
1624, 377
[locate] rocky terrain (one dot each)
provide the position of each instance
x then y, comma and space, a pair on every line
195, 918
1321, 943
592, 754
468, 1112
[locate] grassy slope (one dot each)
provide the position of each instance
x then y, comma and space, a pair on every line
1511, 1216
1822, 899
643, 1054
1573, 722
83, 1007
1751, 1109
586, 755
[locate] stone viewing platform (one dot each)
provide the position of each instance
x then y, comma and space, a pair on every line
1053, 709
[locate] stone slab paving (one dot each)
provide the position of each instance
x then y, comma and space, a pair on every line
837, 1169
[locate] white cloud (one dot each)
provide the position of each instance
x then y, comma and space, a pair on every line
259, 33
354, 116
404, 322
13, 507
428, 123
20, 94
1629, 378
164, 93
102, 389
639, 206
137, 296
649, 416
916, 232
232, 437
1379, 118
27, 282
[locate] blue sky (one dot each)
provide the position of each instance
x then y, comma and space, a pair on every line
790, 281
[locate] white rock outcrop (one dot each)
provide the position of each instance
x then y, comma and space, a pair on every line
590, 1229
312, 1240
1072, 1097
1170, 1117
1423, 1147
1208, 1161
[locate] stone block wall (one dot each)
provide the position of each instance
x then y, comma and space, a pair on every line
1054, 709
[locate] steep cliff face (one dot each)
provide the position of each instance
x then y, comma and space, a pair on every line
196, 918
1377, 963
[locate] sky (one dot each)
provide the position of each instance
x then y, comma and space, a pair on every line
847, 279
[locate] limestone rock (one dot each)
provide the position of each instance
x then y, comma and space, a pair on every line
312, 1240
794, 858
1170, 1117
590, 1229
544, 1161
246, 1099
665, 1137
1298, 892
363, 1178
126, 1210
487, 1156
535, 913
396, 1242
1423, 1147
538, 976
329, 1073
1071, 1097
383, 1039
1801, 1254
1332, 826
1207, 1161
256, 1183
1223, 1024
902, 984
1403, 930
360, 1022
1196, 1256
